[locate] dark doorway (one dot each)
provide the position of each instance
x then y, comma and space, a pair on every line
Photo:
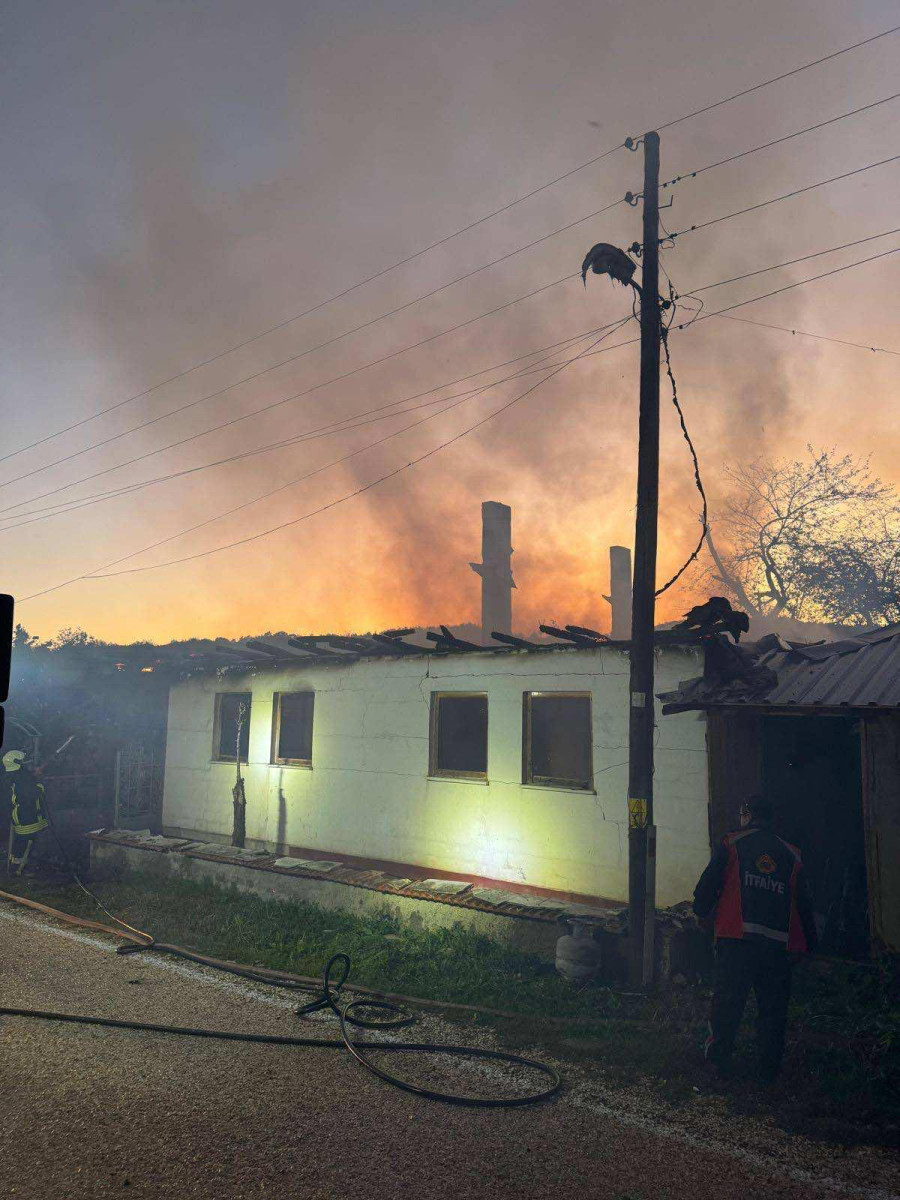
812, 770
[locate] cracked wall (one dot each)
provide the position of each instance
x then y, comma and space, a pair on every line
368, 794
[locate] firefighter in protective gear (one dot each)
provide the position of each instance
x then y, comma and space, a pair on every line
755, 891
26, 794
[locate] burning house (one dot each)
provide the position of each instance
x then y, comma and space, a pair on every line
501, 763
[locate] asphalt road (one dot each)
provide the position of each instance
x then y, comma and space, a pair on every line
92, 1112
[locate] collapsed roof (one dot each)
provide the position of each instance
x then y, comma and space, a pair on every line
858, 672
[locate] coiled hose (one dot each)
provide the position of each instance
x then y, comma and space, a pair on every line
328, 999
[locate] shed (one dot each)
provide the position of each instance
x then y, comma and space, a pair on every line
817, 727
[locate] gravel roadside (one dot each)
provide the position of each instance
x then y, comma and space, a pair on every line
93, 1112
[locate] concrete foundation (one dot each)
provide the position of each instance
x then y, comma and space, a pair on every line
535, 928
520, 933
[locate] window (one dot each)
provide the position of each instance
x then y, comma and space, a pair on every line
292, 728
557, 741
231, 708
459, 735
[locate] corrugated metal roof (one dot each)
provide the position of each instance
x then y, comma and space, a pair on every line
856, 673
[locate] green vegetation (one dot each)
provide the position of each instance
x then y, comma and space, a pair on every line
842, 1070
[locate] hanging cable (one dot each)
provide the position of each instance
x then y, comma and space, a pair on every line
664, 330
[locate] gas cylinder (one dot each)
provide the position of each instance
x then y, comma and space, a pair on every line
577, 954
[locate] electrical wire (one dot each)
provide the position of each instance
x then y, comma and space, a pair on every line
798, 283
442, 241
340, 426
821, 337
310, 350
322, 304
664, 330
327, 466
786, 196
266, 408
366, 417
584, 354
777, 79
340, 500
789, 263
296, 396
777, 141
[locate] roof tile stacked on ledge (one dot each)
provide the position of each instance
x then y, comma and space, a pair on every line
439, 891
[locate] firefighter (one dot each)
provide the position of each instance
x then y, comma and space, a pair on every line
26, 795
755, 892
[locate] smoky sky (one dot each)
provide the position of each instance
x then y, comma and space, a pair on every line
179, 177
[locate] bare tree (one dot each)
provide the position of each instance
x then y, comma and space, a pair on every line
817, 539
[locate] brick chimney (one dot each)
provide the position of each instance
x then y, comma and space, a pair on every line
495, 570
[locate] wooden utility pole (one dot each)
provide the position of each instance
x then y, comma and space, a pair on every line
641, 830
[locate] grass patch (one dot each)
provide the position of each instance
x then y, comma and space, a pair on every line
842, 1068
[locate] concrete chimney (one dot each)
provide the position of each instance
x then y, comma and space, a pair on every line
494, 569
620, 592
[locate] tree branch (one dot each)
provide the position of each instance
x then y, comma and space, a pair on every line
728, 579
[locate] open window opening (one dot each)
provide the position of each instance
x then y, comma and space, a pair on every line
557, 743
232, 711
292, 728
458, 743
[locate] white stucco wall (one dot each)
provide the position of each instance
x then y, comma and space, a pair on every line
368, 793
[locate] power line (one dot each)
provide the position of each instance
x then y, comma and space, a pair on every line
590, 352
312, 349
789, 263
293, 358
297, 395
342, 499
336, 427
434, 245
777, 79
775, 199
788, 286
370, 446
805, 333
317, 471
584, 354
342, 425
778, 141
322, 304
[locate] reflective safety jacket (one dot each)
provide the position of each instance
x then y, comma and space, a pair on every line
755, 886
27, 795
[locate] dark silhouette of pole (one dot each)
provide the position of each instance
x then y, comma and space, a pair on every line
641, 830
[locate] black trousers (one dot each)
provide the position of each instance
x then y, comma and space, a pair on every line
741, 965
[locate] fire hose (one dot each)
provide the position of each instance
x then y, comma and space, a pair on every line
137, 941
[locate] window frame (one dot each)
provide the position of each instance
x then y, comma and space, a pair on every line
529, 778
217, 755
437, 772
276, 730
